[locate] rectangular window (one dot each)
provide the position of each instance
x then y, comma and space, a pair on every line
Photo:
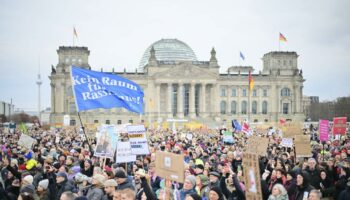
254, 93
108, 121
131, 121
233, 93
119, 121
223, 92
265, 92
244, 92
285, 108
96, 121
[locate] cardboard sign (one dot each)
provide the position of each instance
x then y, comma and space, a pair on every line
303, 149
227, 137
189, 136
257, 145
324, 130
124, 154
138, 139
287, 142
251, 173
291, 130
170, 166
106, 141
302, 138
26, 141
339, 125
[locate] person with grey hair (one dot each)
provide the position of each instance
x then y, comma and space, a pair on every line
314, 173
67, 196
278, 193
315, 195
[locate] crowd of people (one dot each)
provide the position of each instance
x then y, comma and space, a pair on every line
61, 165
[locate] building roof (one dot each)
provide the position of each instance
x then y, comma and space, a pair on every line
169, 50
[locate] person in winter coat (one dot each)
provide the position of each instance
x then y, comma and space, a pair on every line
345, 194
303, 186
188, 188
61, 185
278, 193
340, 185
96, 191
326, 186
202, 186
30, 162
123, 181
109, 186
314, 173
216, 194
230, 186
42, 190
87, 168
291, 184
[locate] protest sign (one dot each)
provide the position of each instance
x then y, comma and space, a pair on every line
26, 141
227, 137
138, 140
324, 130
339, 125
287, 142
302, 138
251, 173
170, 166
303, 149
106, 141
257, 145
124, 154
66, 120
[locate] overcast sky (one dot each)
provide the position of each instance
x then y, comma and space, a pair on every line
118, 32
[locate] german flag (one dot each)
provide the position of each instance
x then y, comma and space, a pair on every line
251, 81
282, 38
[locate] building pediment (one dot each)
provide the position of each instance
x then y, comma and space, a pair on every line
186, 72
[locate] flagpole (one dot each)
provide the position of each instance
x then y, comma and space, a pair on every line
83, 128
73, 37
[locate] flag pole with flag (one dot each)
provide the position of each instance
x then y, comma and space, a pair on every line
241, 56
281, 39
251, 86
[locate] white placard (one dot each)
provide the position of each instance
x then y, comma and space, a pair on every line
66, 120
138, 139
189, 136
106, 141
287, 142
124, 154
26, 141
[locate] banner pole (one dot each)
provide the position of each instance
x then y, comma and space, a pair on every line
83, 128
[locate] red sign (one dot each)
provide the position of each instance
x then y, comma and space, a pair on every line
339, 125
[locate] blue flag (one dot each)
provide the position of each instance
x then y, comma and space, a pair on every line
94, 90
241, 55
236, 125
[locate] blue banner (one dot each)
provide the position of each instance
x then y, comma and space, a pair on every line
94, 90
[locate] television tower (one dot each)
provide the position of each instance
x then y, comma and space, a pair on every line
39, 82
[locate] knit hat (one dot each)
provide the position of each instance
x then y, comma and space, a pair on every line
120, 174
99, 178
28, 179
62, 174
79, 177
191, 179
28, 188
44, 184
204, 179
195, 196
110, 183
218, 191
215, 173
200, 166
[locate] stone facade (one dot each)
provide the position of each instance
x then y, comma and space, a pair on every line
193, 90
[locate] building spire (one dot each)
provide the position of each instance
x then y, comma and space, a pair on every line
213, 61
152, 59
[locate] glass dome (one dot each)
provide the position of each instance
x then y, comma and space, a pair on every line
169, 50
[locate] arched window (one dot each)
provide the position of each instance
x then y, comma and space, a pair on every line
244, 107
264, 107
223, 107
244, 92
285, 92
254, 107
233, 93
233, 107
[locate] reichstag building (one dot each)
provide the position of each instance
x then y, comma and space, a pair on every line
177, 86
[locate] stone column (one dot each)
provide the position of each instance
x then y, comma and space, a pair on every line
53, 105
180, 99
215, 104
170, 91
157, 97
202, 100
192, 102
239, 101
